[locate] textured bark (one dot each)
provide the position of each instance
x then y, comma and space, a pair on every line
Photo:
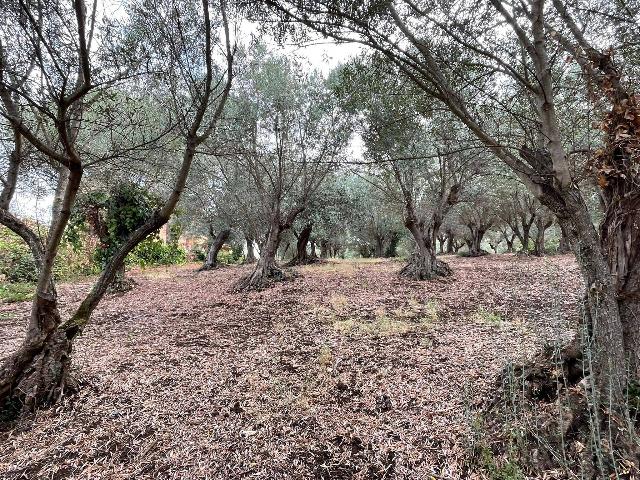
251, 255
450, 242
211, 262
542, 225
474, 241
301, 256
37, 373
423, 264
267, 271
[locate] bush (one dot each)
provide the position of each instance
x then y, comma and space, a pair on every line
153, 251
16, 262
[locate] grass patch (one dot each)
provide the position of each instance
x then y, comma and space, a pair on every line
16, 292
488, 317
398, 322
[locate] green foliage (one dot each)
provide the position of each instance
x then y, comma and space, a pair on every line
231, 256
16, 292
153, 251
16, 262
199, 255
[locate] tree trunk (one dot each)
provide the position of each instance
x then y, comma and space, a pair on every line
251, 255
325, 249
538, 249
607, 322
211, 262
450, 242
526, 235
423, 264
392, 248
37, 373
267, 271
302, 257
379, 246
474, 242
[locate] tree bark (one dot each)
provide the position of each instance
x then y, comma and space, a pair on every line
301, 256
423, 264
475, 241
211, 262
450, 242
542, 225
251, 255
267, 271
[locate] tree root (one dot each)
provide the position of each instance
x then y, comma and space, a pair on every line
261, 278
542, 420
417, 270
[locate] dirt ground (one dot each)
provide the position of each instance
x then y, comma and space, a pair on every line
347, 371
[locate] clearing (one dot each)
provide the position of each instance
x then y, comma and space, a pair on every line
347, 371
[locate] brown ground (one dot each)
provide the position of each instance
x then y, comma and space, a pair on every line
345, 372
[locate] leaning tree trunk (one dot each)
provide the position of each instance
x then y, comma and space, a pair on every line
301, 256
211, 262
423, 264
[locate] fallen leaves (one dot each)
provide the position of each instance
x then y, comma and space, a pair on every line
183, 379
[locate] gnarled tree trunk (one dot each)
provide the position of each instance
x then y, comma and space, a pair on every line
423, 264
474, 241
302, 257
211, 262
267, 270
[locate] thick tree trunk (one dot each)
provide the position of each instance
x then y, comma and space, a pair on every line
251, 255
267, 271
475, 241
392, 247
302, 257
379, 246
36, 374
211, 262
325, 249
605, 339
423, 264
450, 243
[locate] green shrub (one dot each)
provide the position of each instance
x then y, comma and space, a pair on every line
153, 251
16, 262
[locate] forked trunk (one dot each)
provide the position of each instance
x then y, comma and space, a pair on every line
211, 262
266, 271
302, 257
474, 242
450, 243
